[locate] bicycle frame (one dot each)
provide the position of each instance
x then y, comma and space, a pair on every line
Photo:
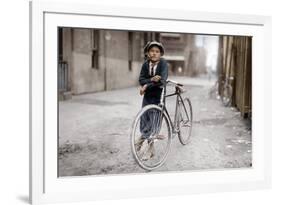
164, 109
161, 118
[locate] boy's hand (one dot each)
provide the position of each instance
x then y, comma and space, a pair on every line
156, 78
142, 89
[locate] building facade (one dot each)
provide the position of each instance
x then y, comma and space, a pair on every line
185, 56
99, 60
93, 60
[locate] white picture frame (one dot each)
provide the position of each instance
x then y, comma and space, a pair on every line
46, 187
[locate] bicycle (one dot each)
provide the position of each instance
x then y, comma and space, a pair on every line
214, 91
227, 91
156, 119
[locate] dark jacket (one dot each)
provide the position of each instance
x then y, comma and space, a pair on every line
153, 89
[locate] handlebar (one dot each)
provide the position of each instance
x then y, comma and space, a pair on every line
174, 82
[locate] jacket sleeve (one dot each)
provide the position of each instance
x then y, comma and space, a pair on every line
143, 79
163, 74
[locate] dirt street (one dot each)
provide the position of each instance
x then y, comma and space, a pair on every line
94, 133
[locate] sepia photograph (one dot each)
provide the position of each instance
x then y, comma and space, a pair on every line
133, 102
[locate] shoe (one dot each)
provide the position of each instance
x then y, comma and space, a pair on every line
139, 143
150, 152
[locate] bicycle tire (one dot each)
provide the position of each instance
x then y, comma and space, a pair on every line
227, 95
150, 165
185, 126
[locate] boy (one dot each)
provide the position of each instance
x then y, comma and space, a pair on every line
153, 75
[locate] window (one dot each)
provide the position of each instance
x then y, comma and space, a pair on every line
60, 43
95, 46
151, 36
130, 42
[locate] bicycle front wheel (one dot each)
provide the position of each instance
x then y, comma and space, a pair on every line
227, 95
185, 121
151, 137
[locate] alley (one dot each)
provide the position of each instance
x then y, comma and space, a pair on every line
94, 133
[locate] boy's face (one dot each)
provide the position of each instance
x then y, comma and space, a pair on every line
154, 54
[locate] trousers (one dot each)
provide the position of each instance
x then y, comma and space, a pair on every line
150, 120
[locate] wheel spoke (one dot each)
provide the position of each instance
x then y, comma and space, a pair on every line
185, 123
151, 122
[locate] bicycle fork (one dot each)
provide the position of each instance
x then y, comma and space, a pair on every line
176, 127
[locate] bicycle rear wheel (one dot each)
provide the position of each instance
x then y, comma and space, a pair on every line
185, 121
151, 137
